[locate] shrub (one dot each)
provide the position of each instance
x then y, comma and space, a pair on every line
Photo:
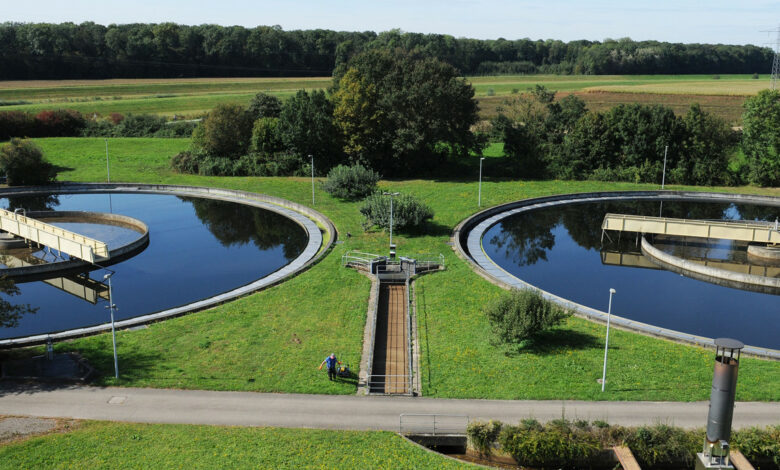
556, 445
16, 124
755, 76
265, 136
59, 123
224, 132
757, 444
407, 211
22, 163
351, 182
116, 118
185, 162
265, 106
98, 128
139, 125
522, 314
663, 445
175, 129
483, 435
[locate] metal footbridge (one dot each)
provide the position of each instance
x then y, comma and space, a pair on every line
747, 231
64, 241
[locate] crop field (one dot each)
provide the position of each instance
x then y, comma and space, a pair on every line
194, 97
325, 307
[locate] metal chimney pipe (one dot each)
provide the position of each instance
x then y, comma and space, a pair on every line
724, 388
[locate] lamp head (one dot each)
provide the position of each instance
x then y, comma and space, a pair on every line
612, 291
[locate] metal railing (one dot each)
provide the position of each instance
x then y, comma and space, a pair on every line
428, 262
359, 259
64, 241
398, 384
433, 424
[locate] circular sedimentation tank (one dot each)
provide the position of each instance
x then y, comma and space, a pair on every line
205, 246
555, 244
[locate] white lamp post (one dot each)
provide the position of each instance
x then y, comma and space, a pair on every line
108, 169
392, 247
312, 179
606, 344
111, 308
479, 198
663, 175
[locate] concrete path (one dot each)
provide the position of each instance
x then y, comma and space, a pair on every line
337, 412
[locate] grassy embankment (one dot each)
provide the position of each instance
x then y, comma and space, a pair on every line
193, 97
246, 344
108, 445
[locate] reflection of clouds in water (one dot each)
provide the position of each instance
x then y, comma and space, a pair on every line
111, 235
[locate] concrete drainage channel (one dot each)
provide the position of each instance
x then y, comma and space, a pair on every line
313, 222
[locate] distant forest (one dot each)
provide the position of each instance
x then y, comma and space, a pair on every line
89, 50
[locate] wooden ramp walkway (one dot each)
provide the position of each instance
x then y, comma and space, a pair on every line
759, 232
390, 371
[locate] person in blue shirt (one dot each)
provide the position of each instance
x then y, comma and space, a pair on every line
331, 362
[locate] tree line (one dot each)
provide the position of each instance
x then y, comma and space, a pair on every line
140, 50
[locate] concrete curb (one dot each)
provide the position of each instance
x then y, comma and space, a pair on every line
306, 217
467, 243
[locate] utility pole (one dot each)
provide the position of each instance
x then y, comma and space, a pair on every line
108, 169
663, 176
312, 179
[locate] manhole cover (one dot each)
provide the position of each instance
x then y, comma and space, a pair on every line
116, 400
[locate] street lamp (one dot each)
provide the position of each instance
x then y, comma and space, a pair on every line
663, 175
479, 198
606, 344
392, 247
108, 169
111, 308
312, 179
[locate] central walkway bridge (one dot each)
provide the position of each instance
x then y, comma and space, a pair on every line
64, 241
756, 232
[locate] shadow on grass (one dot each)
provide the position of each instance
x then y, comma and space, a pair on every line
132, 365
556, 341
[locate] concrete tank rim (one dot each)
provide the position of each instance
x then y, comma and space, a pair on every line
493, 273
310, 219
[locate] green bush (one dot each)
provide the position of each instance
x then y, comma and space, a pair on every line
758, 444
22, 163
265, 106
351, 182
408, 212
265, 136
139, 125
557, 444
521, 314
185, 162
483, 435
224, 133
663, 446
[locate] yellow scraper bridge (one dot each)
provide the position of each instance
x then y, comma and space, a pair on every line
64, 241
759, 232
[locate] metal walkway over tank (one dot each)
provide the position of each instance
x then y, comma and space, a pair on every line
64, 241
757, 232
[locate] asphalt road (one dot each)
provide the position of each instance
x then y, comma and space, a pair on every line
342, 412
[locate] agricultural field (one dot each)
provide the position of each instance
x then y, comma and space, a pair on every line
106, 445
325, 307
193, 97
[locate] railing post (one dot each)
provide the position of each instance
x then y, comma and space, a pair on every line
434, 425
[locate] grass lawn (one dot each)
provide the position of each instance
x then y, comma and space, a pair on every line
248, 344
108, 445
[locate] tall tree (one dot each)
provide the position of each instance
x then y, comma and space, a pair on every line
761, 137
401, 112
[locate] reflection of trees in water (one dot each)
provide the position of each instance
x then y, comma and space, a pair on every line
233, 223
752, 212
10, 313
33, 203
527, 238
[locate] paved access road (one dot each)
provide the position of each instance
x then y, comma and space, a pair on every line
338, 412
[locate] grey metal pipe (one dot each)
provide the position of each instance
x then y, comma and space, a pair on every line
724, 388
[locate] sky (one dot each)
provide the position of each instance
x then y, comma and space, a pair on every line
686, 21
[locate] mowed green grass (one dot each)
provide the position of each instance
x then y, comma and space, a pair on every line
248, 344
194, 97
105, 445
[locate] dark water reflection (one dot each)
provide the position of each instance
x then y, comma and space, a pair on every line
198, 248
560, 250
